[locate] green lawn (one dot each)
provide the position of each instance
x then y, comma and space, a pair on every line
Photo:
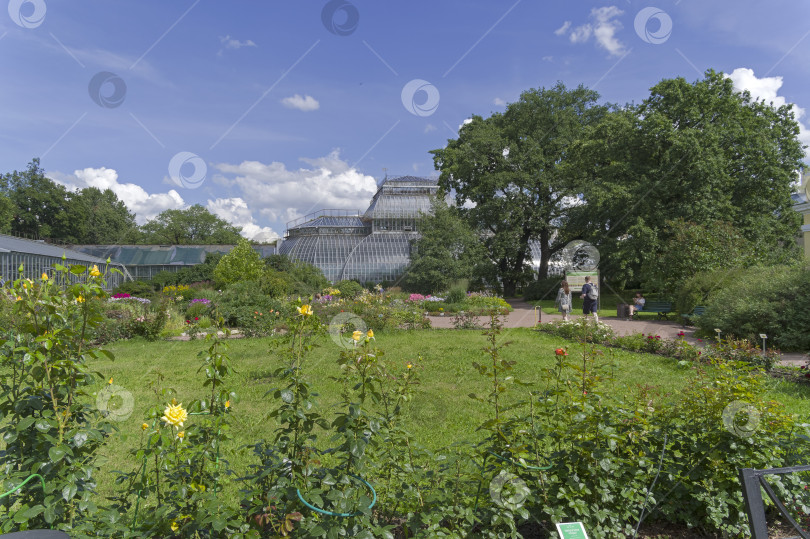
440, 413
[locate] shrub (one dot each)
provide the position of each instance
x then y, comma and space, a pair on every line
240, 305
276, 283
581, 329
182, 291
150, 324
135, 288
243, 263
302, 278
198, 307
163, 279
542, 289
457, 292
349, 289
477, 301
770, 300
699, 288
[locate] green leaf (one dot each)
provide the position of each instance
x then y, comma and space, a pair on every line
27, 514
287, 395
25, 423
44, 425
58, 453
78, 269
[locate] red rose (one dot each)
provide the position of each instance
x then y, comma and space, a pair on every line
196, 318
560, 352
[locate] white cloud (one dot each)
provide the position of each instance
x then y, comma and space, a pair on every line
499, 102
767, 88
235, 44
465, 122
605, 29
563, 29
281, 194
236, 212
548, 58
306, 103
603, 26
429, 128
145, 206
581, 34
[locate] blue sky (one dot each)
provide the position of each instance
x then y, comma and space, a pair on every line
266, 111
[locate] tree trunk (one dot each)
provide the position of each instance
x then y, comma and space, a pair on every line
509, 287
545, 255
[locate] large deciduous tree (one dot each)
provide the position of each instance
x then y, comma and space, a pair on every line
195, 225
98, 217
505, 171
698, 152
39, 204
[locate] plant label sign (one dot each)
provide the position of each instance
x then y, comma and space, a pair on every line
572, 530
576, 279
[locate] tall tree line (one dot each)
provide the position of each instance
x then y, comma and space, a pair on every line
34, 206
557, 166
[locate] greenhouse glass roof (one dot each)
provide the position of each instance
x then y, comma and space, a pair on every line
162, 255
373, 246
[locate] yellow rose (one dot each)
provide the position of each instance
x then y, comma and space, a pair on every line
181, 434
174, 526
305, 310
175, 415
370, 334
144, 426
80, 299
44, 276
357, 335
94, 272
227, 404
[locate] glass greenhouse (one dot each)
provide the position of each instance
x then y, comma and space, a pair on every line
38, 257
373, 246
145, 261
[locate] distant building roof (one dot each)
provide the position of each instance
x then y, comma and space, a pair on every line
163, 255
12, 244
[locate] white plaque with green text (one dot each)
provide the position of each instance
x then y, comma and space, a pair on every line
572, 530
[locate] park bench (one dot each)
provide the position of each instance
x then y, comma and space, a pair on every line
699, 310
662, 308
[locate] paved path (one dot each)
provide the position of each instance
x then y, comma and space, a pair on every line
525, 316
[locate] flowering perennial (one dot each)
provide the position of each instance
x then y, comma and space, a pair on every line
175, 415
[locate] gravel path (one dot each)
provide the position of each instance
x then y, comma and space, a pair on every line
525, 316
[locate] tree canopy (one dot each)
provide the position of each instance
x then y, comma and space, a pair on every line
34, 206
195, 225
447, 250
506, 174
698, 152
39, 205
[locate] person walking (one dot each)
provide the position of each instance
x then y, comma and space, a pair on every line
563, 302
590, 297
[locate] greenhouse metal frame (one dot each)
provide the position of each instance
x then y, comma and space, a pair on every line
370, 247
38, 257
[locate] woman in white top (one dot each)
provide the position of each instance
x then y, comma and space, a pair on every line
563, 302
638, 304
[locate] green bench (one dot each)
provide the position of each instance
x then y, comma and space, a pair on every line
662, 308
698, 310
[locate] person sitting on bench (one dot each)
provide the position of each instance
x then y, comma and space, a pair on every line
638, 304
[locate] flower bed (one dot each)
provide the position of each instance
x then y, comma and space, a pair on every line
585, 330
